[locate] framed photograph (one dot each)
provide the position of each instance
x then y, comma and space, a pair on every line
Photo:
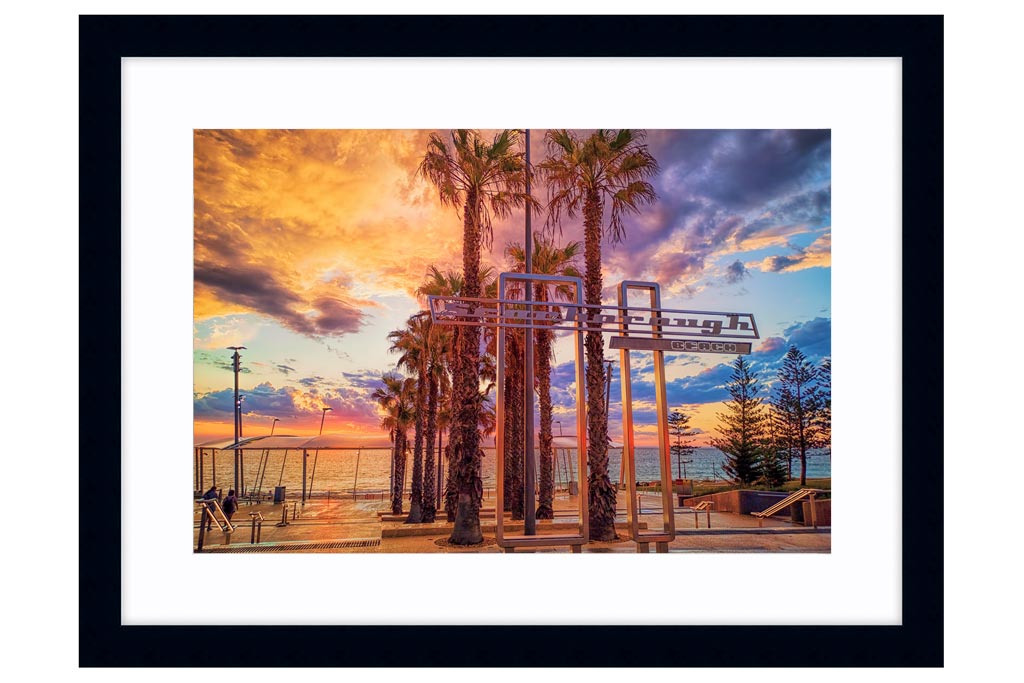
460, 314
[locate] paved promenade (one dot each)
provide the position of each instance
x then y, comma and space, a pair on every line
344, 525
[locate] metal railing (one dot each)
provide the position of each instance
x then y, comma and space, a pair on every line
791, 499
209, 509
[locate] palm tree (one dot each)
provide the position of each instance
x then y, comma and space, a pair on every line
438, 350
583, 174
414, 344
485, 180
395, 398
548, 259
448, 283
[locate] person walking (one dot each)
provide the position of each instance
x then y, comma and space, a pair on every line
229, 506
210, 495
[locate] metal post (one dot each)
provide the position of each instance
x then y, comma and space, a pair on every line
661, 402
304, 454
203, 521
213, 467
283, 461
235, 358
607, 385
530, 492
241, 453
234, 365
355, 481
316, 455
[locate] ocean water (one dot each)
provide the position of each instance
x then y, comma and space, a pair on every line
370, 469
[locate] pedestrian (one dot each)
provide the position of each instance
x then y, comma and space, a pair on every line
210, 495
229, 506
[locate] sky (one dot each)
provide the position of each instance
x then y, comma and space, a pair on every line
309, 245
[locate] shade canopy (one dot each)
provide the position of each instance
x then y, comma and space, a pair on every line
323, 442
216, 445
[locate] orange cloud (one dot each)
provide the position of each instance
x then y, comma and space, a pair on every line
303, 226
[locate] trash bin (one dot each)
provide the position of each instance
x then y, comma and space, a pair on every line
279, 494
574, 488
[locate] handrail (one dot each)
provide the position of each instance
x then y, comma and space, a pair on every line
213, 505
791, 499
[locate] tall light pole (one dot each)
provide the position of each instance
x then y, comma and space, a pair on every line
241, 454
316, 454
235, 360
530, 505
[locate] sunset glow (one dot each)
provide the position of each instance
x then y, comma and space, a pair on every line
310, 244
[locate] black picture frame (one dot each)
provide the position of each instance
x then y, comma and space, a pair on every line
917, 40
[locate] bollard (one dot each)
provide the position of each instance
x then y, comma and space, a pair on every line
295, 510
284, 514
259, 530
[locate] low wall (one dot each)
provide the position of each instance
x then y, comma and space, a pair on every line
742, 501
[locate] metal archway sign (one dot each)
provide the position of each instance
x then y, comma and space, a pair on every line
652, 328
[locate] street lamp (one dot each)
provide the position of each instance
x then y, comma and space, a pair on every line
235, 360
241, 454
315, 455
238, 407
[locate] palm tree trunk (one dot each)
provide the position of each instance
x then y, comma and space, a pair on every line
428, 503
416, 499
398, 485
451, 489
514, 425
466, 453
546, 493
601, 503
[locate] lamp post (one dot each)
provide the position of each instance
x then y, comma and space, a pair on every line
316, 454
241, 454
235, 360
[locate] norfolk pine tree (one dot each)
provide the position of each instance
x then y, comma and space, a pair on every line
825, 416
773, 465
678, 429
743, 426
799, 401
